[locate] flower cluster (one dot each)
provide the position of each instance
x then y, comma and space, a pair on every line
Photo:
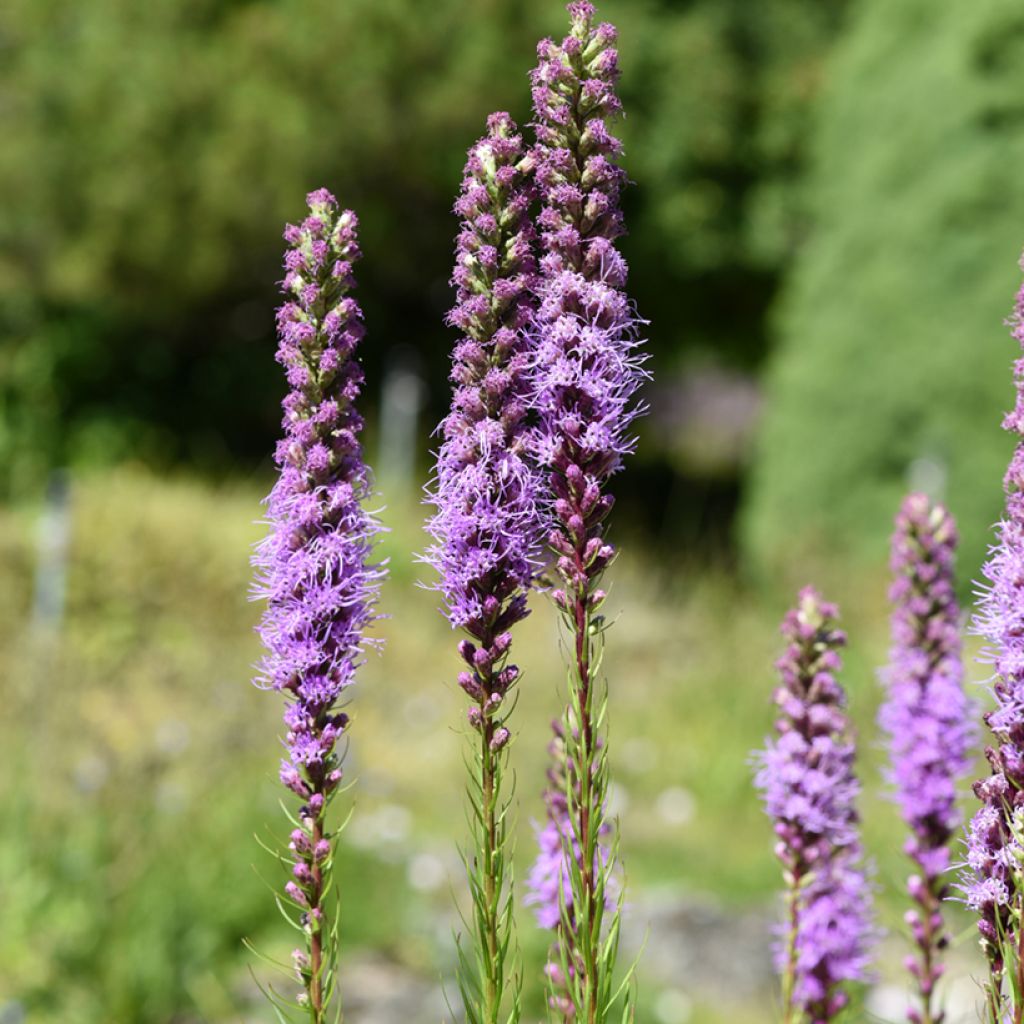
586, 371
993, 883
928, 719
587, 367
314, 568
486, 528
806, 777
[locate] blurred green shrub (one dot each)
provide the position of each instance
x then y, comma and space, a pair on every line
153, 151
144, 767
893, 368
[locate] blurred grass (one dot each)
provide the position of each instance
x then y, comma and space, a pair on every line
141, 762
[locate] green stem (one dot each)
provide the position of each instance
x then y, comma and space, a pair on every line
316, 951
588, 810
789, 1013
489, 920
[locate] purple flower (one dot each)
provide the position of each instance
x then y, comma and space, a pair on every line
314, 567
993, 884
586, 370
806, 777
587, 364
486, 528
928, 720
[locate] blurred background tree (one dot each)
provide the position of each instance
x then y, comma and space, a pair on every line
153, 151
893, 366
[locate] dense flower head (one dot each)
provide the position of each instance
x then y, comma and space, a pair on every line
994, 849
580, 180
314, 567
807, 779
926, 713
587, 364
928, 719
833, 938
486, 524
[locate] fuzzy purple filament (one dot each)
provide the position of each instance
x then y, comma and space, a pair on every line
587, 369
927, 717
806, 776
486, 528
314, 568
993, 884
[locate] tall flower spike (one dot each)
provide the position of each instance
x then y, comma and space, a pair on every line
314, 568
548, 884
486, 527
994, 881
587, 369
806, 777
927, 717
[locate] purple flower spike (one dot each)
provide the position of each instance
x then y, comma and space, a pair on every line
587, 368
486, 528
928, 719
993, 883
314, 568
806, 777
587, 360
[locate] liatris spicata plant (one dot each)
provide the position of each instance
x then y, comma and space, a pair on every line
806, 775
548, 883
993, 883
314, 568
486, 527
926, 715
587, 369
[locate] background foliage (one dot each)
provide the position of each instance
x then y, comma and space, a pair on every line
153, 152
893, 361
826, 217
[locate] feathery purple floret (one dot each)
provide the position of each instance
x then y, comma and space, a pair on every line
314, 568
587, 367
486, 527
992, 883
806, 776
928, 720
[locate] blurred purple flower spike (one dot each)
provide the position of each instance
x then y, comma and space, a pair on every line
807, 779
